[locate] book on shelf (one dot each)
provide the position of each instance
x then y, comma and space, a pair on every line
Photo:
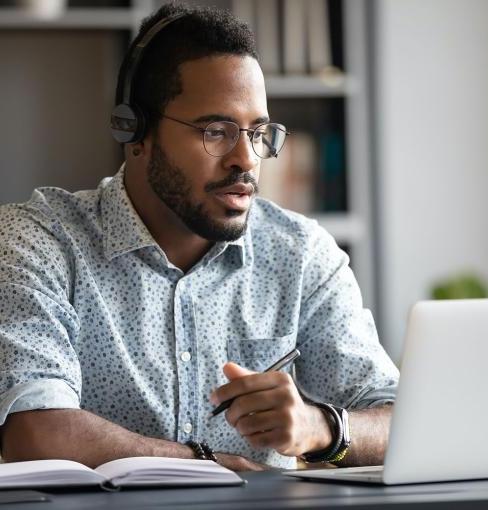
294, 37
128, 472
289, 180
331, 187
319, 42
268, 36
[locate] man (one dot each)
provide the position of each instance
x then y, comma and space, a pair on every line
128, 312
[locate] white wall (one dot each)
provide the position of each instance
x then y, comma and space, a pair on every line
432, 112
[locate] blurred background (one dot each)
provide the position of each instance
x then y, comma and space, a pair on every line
386, 99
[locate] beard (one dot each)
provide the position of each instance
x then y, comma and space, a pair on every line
173, 188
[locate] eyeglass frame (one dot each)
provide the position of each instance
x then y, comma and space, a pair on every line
249, 131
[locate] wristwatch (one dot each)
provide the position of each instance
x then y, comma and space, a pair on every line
341, 436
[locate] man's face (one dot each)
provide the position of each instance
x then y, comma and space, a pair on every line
211, 195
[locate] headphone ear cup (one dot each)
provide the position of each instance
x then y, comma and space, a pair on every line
127, 123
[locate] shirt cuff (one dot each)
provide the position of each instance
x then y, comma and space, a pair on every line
41, 394
375, 397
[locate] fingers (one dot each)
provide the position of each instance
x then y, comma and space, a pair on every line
258, 422
257, 403
267, 410
233, 371
238, 463
250, 384
280, 439
268, 429
267, 419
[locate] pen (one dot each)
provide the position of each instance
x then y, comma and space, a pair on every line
285, 360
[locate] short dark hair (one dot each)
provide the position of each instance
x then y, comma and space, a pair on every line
201, 32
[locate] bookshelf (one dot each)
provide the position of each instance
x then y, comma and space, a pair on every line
77, 18
316, 104
304, 102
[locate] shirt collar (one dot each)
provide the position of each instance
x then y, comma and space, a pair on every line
124, 231
239, 246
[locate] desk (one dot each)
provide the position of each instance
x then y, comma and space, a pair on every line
272, 490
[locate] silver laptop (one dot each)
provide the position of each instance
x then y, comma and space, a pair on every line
440, 420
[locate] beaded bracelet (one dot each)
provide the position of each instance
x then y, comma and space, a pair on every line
202, 450
208, 451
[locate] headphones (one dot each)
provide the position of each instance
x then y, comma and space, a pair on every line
127, 123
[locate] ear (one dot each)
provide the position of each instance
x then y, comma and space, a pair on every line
138, 151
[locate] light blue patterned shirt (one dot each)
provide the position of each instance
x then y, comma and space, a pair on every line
94, 316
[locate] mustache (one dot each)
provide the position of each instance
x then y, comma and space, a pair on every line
235, 177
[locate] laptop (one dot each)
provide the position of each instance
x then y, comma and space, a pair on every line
439, 426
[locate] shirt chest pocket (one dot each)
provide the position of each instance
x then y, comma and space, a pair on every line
259, 353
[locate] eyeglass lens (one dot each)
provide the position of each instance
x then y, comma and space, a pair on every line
221, 137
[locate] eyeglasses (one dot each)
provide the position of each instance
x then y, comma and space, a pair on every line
220, 137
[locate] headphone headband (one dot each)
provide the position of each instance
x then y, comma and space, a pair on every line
128, 123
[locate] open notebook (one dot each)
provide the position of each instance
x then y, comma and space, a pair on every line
132, 471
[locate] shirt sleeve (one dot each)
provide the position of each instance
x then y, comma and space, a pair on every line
39, 368
342, 359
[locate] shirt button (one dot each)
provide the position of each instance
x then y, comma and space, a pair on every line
185, 356
187, 428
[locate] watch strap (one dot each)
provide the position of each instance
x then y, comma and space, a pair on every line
341, 438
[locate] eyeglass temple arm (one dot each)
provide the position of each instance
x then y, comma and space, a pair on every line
202, 130
273, 151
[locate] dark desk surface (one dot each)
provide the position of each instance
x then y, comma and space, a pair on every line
272, 490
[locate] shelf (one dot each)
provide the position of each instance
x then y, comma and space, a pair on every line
308, 86
345, 228
352, 39
102, 18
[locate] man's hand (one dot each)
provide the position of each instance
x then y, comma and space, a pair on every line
269, 412
238, 463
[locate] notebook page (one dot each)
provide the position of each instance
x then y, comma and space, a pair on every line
46, 472
165, 470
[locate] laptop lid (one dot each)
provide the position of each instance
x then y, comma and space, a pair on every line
440, 421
